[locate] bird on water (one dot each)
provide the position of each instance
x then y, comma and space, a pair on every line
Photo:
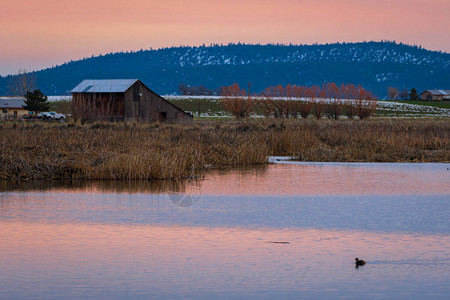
359, 262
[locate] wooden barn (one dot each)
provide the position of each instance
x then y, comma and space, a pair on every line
122, 100
436, 95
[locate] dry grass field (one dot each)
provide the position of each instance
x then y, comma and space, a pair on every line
127, 151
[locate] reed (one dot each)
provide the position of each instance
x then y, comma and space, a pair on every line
161, 151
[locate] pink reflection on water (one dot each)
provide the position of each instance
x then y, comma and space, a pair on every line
278, 179
195, 258
333, 179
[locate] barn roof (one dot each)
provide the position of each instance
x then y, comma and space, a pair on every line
104, 86
11, 103
438, 92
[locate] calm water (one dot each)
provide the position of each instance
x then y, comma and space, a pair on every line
214, 238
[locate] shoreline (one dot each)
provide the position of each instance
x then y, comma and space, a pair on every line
292, 160
124, 151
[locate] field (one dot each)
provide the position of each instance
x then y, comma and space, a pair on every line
439, 104
413, 109
162, 151
209, 106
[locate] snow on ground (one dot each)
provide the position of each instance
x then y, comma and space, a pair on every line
413, 109
391, 108
59, 98
187, 97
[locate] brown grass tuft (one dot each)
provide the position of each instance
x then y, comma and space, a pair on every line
157, 151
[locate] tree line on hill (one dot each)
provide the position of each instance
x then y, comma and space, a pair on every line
374, 65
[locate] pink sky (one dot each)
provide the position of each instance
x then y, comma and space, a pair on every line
36, 34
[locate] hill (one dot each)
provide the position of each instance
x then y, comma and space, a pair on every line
374, 65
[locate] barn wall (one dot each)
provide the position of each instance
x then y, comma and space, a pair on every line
137, 103
98, 106
142, 104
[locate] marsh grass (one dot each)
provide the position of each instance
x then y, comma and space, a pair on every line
155, 151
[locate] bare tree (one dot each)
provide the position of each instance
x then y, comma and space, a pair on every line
237, 101
403, 94
22, 83
365, 104
392, 92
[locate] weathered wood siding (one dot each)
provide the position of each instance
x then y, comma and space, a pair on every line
137, 103
98, 106
142, 104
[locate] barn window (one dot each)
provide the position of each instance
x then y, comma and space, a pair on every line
5, 111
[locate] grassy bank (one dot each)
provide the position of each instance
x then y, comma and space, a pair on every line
153, 151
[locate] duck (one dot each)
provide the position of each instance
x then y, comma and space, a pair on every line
359, 262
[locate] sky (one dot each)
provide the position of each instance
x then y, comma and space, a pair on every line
36, 34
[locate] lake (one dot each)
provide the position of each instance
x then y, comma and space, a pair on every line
282, 231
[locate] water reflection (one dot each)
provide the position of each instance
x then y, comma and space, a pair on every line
282, 231
99, 186
185, 199
55, 261
277, 179
422, 214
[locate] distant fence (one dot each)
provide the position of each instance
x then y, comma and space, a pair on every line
10, 118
